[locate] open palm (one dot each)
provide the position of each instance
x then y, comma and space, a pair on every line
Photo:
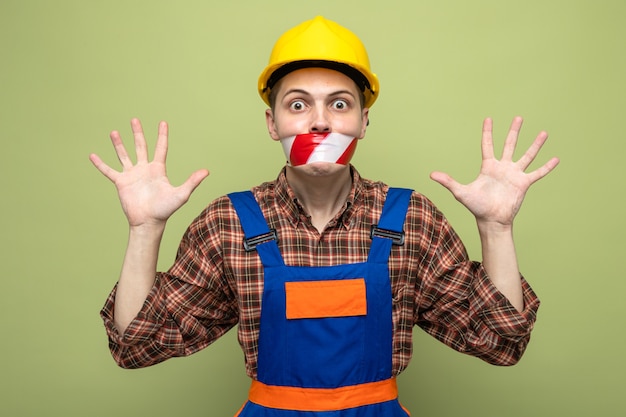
146, 195
496, 195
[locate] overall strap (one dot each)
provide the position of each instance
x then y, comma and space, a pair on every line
389, 229
257, 234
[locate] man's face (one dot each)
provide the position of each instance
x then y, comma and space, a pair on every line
316, 100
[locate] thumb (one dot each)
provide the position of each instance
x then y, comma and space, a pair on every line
445, 180
194, 181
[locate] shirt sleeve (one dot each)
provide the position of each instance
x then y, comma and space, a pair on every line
188, 308
458, 304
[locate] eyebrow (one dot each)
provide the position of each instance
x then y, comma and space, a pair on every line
297, 91
305, 92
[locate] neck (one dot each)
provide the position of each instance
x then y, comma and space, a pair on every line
322, 196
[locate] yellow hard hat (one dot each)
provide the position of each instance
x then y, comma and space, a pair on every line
320, 43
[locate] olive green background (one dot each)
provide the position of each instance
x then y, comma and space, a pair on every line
72, 71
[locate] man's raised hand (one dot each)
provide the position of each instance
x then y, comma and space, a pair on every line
496, 195
146, 195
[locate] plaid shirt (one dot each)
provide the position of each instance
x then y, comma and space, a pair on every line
215, 284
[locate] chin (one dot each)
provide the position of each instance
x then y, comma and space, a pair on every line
320, 169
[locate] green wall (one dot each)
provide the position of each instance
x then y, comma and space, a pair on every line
72, 71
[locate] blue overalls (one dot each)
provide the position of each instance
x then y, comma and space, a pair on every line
325, 342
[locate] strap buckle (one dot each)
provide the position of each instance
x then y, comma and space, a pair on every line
250, 244
397, 238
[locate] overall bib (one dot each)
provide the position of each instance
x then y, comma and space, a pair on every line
325, 342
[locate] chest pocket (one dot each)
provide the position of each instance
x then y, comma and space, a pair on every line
329, 298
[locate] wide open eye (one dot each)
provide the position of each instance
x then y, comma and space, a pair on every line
296, 105
340, 104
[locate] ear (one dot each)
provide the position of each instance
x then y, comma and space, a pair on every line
271, 124
365, 121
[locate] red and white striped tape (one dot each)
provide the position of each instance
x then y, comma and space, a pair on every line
319, 147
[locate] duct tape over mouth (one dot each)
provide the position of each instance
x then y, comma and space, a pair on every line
319, 147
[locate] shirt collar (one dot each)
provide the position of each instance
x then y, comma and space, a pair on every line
294, 211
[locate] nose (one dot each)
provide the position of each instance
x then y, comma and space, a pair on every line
320, 122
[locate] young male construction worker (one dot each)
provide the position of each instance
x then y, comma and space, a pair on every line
324, 272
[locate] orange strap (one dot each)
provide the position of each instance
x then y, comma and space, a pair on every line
322, 399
